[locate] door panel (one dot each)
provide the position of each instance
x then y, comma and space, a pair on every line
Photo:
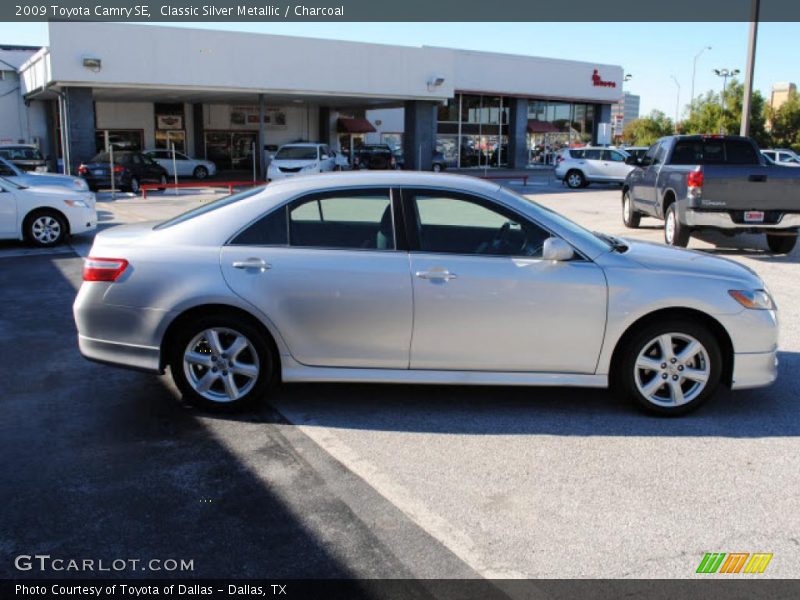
334, 308
8, 214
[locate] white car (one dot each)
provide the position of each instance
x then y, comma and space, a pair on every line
44, 215
579, 167
783, 157
300, 159
35, 179
185, 165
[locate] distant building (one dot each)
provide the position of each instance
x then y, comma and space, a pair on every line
17, 123
780, 94
624, 111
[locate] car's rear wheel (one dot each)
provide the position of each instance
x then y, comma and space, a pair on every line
675, 234
46, 228
781, 244
162, 181
670, 368
575, 179
630, 216
222, 362
437, 168
200, 172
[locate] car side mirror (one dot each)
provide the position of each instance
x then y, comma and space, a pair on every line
557, 249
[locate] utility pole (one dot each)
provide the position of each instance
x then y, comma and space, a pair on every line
694, 72
744, 129
677, 102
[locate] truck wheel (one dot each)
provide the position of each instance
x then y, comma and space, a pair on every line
675, 234
781, 244
630, 216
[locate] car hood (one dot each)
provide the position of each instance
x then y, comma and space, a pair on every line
51, 179
689, 262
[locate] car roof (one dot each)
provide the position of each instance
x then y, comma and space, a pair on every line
325, 181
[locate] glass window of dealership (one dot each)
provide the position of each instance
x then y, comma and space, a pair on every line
472, 129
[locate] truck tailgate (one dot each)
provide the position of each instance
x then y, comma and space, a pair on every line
745, 187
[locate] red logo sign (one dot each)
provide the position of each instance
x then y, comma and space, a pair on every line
598, 81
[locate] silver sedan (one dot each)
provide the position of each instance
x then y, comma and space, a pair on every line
402, 277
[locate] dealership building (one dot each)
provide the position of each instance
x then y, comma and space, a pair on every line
221, 95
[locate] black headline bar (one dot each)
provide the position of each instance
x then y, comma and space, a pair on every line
406, 10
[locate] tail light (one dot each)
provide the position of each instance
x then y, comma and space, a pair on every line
103, 269
82, 170
118, 169
695, 179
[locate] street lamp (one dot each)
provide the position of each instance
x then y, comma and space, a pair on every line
694, 71
677, 101
627, 77
724, 73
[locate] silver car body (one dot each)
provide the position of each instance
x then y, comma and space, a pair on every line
597, 164
35, 179
365, 315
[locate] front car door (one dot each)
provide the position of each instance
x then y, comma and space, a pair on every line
8, 213
643, 189
485, 300
614, 165
593, 166
327, 271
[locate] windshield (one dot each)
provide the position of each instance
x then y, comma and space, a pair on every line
21, 153
297, 153
598, 242
210, 206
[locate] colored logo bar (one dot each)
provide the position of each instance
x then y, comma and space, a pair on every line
733, 563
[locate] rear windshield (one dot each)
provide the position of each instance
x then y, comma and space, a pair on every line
714, 152
211, 206
104, 157
297, 153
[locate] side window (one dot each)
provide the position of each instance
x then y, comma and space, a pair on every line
661, 154
650, 155
269, 230
576, 153
351, 219
6, 171
613, 156
740, 152
458, 224
136, 159
592, 154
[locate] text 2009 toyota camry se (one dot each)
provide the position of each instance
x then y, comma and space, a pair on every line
417, 278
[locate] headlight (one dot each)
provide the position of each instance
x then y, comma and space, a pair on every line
80, 184
76, 203
755, 299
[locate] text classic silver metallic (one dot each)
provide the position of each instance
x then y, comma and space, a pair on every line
404, 277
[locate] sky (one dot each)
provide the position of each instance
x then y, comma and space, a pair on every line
652, 53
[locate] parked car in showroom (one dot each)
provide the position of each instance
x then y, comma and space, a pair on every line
44, 215
578, 167
26, 156
34, 179
183, 164
300, 159
406, 277
131, 169
713, 182
783, 156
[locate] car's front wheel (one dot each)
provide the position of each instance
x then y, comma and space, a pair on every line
630, 216
781, 244
200, 172
437, 168
222, 362
575, 179
45, 228
670, 368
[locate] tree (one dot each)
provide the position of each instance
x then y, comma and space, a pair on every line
645, 131
710, 114
785, 123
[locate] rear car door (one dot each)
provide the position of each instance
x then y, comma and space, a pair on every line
485, 300
329, 273
592, 164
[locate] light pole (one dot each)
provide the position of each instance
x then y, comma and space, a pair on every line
677, 102
694, 71
724, 73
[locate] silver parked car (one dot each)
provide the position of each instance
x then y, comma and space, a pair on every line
416, 278
578, 167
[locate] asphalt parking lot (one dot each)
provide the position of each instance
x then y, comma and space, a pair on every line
385, 481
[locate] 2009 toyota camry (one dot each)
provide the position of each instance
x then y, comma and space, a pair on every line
417, 278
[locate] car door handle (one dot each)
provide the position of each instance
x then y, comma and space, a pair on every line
437, 275
251, 263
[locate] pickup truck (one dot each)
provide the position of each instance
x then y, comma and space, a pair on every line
720, 182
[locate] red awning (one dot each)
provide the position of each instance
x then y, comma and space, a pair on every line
535, 126
354, 126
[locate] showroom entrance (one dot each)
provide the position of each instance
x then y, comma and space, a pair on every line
231, 150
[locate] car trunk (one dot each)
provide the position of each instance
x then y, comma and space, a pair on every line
757, 187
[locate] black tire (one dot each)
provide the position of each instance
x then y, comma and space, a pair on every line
163, 181
630, 216
45, 228
626, 373
437, 168
575, 179
265, 360
133, 186
675, 234
781, 244
200, 172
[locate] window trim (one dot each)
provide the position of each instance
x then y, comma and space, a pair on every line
408, 194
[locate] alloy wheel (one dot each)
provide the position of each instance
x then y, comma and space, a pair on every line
46, 229
672, 369
574, 180
221, 364
669, 227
